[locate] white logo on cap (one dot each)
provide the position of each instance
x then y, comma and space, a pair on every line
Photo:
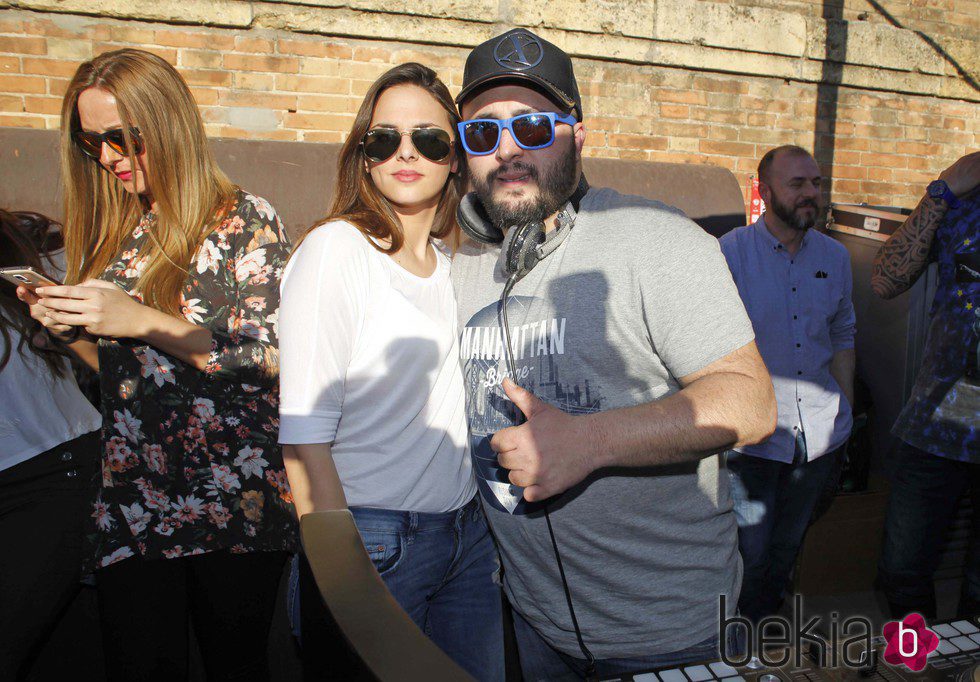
518, 51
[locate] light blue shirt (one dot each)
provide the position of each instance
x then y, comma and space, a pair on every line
801, 310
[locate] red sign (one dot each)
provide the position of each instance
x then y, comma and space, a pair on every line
756, 205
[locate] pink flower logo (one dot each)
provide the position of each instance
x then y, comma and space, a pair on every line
909, 642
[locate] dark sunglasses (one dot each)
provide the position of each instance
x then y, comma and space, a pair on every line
481, 136
91, 143
380, 144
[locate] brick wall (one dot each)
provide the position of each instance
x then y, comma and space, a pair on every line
269, 82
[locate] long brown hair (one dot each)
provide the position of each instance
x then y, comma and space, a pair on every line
359, 202
188, 188
23, 238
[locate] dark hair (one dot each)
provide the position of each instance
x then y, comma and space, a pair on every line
765, 163
23, 238
358, 201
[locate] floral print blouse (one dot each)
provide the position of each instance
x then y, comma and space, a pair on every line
190, 459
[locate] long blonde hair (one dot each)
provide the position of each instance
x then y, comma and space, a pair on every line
190, 192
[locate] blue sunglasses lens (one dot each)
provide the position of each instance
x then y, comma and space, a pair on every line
481, 136
533, 131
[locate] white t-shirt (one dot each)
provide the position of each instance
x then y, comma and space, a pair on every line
39, 410
369, 363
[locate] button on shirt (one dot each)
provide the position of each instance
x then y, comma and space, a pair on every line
801, 310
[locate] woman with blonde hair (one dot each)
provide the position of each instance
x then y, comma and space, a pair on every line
173, 297
376, 422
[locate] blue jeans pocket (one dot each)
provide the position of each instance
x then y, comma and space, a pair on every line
385, 548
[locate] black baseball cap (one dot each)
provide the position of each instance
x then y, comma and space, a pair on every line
522, 57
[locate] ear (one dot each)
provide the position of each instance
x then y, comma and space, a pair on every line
765, 192
578, 130
454, 162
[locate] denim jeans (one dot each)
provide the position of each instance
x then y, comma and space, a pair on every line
925, 490
440, 568
540, 661
773, 503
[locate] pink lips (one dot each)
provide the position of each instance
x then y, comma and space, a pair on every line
125, 175
407, 176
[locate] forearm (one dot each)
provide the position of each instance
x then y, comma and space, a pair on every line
901, 259
313, 478
842, 369
714, 413
87, 351
176, 337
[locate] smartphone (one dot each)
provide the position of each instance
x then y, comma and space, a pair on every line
27, 277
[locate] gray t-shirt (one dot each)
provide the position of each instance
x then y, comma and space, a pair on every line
633, 297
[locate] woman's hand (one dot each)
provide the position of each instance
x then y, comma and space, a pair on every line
102, 308
42, 313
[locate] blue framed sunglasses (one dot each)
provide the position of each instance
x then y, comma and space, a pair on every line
481, 136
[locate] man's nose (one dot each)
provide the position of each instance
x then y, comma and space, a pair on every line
508, 148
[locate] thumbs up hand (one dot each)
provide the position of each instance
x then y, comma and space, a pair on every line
550, 452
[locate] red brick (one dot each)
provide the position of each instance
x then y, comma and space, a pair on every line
675, 111
11, 103
257, 99
57, 86
50, 67
205, 96
43, 105
337, 122
200, 59
211, 78
14, 121
9, 65
884, 160
199, 39
718, 85
371, 54
638, 142
250, 44
323, 137
248, 62
21, 45
727, 148
21, 84
330, 103
314, 84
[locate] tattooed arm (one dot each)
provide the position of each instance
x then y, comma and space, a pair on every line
904, 256
901, 259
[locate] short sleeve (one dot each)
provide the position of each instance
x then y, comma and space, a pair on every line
691, 304
324, 299
244, 350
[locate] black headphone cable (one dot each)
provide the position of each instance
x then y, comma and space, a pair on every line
590, 671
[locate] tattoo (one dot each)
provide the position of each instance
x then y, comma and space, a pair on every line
901, 259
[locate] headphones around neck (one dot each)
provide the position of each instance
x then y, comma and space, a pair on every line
475, 222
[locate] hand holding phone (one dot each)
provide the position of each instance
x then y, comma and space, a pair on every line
27, 277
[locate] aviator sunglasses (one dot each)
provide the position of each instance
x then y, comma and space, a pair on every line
380, 144
481, 136
91, 143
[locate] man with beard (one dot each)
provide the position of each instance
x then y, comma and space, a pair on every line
796, 286
636, 365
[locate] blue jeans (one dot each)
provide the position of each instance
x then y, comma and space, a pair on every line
925, 489
540, 661
440, 568
773, 502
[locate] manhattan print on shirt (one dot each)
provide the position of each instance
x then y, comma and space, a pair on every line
539, 352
